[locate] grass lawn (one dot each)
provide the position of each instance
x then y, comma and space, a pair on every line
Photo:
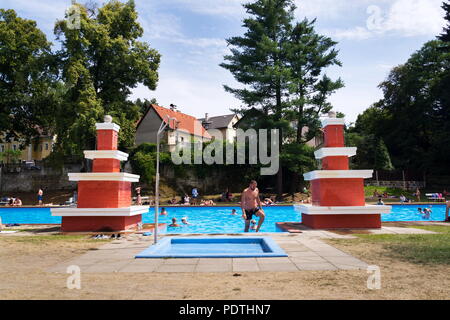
416, 248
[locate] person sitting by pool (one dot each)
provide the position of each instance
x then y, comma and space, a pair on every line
17, 202
253, 225
268, 201
207, 203
385, 195
404, 199
184, 221
163, 212
380, 202
186, 200
376, 194
233, 212
174, 223
173, 201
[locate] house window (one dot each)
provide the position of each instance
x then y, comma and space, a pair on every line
40, 147
182, 140
46, 146
14, 147
2, 148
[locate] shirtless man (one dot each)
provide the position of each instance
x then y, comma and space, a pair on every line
251, 205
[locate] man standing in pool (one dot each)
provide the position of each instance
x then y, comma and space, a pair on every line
251, 205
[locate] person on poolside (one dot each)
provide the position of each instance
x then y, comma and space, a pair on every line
417, 194
233, 212
40, 196
194, 196
163, 212
174, 223
251, 205
380, 202
138, 196
17, 202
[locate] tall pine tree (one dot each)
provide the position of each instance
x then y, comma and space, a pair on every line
281, 64
445, 36
309, 54
258, 60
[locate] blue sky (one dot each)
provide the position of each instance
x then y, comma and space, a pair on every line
373, 36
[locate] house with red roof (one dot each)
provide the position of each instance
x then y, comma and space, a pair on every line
181, 128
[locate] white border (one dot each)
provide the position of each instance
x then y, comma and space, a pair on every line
99, 212
316, 210
333, 122
335, 152
338, 174
107, 126
106, 154
103, 176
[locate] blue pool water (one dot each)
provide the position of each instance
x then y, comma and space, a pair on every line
219, 219
208, 247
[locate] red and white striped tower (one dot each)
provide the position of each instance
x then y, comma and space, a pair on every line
104, 195
338, 193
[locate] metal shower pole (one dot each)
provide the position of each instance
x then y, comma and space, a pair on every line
161, 129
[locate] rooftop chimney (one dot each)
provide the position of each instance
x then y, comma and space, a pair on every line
206, 123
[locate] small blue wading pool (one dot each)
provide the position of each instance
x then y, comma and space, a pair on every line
209, 247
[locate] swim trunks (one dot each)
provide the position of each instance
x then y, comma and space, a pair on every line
39, 198
249, 213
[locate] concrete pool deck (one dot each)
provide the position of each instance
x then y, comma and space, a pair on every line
305, 252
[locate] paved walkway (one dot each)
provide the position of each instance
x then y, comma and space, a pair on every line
305, 252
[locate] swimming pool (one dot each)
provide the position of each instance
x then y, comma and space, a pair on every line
219, 219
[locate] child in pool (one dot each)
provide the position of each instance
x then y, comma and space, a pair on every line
174, 223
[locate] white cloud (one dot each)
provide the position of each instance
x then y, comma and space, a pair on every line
193, 96
357, 33
406, 18
45, 12
227, 8
415, 17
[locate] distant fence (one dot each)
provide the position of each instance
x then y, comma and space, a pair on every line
404, 179
408, 180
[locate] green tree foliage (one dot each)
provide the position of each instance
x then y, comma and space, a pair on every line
143, 162
445, 36
27, 76
413, 118
10, 155
382, 158
101, 62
